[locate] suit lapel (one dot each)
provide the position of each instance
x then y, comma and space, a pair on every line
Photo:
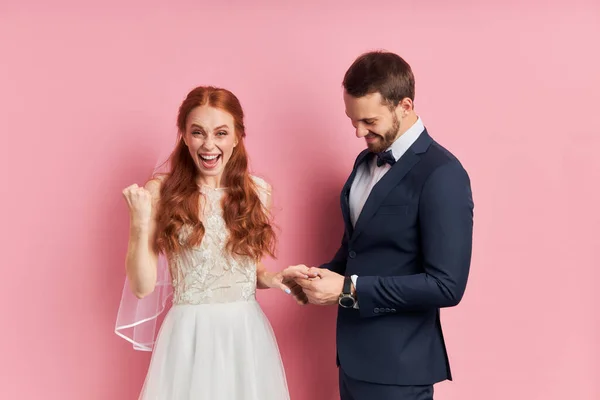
391, 180
345, 197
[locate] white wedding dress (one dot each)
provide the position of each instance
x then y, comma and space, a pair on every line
215, 343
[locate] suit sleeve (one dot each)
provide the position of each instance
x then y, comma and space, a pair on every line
446, 233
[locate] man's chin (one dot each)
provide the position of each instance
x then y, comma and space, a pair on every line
375, 148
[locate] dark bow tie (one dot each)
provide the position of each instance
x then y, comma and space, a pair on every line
385, 157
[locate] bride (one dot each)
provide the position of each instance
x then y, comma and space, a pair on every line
199, 232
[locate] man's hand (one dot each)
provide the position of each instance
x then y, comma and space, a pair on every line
325, 289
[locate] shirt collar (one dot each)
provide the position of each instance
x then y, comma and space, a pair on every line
407, 139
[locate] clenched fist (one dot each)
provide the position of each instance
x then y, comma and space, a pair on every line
139, 201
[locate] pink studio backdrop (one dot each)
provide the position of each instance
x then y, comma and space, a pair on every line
88, 98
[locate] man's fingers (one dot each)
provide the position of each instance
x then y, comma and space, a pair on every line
295, 289
300, 297
305, 283
292, 286
302, 300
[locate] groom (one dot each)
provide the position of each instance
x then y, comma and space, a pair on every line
406, 249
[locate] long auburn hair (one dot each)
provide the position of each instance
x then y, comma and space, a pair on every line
248, 221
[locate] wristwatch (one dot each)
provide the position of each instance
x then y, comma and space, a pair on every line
346, 299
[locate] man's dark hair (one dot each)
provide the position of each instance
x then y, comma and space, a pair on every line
383, 72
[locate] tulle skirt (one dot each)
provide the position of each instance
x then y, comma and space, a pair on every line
221, 351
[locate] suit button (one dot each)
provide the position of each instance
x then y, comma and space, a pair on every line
387, 310
393, 310
376, 310
352, 254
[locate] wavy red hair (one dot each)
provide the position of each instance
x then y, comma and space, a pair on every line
250, 229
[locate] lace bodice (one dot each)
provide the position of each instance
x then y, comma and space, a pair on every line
208, 273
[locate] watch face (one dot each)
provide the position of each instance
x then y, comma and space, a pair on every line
347, 302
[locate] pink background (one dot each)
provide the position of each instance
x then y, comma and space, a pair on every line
88, 99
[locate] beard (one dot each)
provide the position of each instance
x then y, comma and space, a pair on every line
387, 138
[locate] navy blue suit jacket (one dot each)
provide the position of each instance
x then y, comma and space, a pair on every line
411, 250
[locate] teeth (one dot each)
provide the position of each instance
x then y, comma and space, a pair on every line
208, 158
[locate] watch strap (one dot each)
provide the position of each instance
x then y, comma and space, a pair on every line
347, 288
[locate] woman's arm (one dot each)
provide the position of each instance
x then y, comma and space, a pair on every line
141, 260
283, 280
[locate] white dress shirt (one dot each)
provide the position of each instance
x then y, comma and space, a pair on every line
368, 174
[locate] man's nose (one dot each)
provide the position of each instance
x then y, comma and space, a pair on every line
361, 131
